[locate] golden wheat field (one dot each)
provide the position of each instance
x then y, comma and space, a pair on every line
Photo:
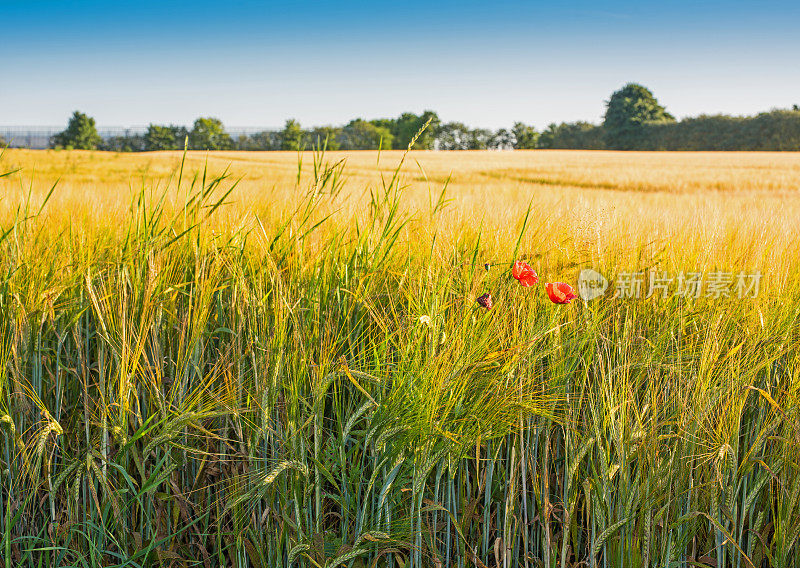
298, 365
774, 174
693, 205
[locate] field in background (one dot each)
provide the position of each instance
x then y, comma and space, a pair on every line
292, 369
705, 201
471, 171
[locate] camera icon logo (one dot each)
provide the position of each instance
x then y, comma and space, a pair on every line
591, 284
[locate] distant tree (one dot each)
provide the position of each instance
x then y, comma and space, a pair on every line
244, 143
458, 136
129, 143
265, 140
453, 136
81, 134
572, 135
795, 107
479, 139
409, 124
777, 130
165, 137
427, 139
325, 137
292, 136
502, 140
389, 124
362, 135
627, 111
545, 140
525, 137
209, 134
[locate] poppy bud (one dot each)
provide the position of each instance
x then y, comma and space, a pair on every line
485, 301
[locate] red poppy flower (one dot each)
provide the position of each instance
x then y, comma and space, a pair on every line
560, 293
485, 301
525, 274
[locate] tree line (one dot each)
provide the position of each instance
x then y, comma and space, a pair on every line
634, 120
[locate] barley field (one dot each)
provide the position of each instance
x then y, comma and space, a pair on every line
277, 359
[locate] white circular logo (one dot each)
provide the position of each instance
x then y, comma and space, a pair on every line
591, 284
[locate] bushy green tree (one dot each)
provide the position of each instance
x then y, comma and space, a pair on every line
209, 134
265, 140
128, 143
777, 130
453, 136
525, 137
362, 135
572, 135
169, 137
81, 134
407, 126
243, 143
459, 136
479, 139
503, 139
292, 137
325, 137
627, 111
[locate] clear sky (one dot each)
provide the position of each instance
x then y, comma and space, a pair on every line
487, 63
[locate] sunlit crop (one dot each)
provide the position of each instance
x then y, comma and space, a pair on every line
273, 359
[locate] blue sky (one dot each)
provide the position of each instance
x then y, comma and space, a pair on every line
483, 63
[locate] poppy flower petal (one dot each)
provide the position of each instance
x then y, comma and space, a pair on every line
519, 269
525, 274
560, 292
528, 280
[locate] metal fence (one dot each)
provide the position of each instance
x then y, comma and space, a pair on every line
28, 136
38, 137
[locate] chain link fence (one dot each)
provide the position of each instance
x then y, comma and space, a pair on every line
38, 137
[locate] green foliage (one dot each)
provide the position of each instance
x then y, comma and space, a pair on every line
453, 136
627, 111
209, 134
389, 124
479, 139
244, 143
129, 143
292, 137
362, 135
572, 135
778, 130
264, 140
525, 137
408, 125
326, 137
80, 134
502, 140
458, 136
634, 120
169, 137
